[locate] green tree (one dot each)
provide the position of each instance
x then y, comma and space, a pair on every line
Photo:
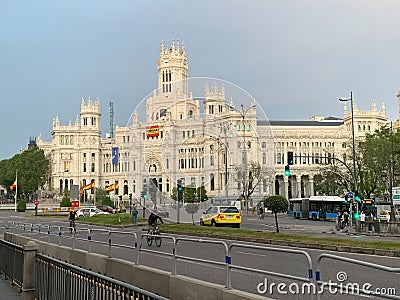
107, 201
192, 208
333, 180
189, 194
66, 200
100, 196
174, 194
380, 154
377, 153
276, 204
32, 167
201, 194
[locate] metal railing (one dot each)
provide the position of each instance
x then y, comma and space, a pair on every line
308, 271
12, 261
60, 280
40, 231
223, 259
351, 288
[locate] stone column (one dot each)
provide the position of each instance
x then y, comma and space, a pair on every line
271, 192
29, 272
298, 186
286, 187
311, 184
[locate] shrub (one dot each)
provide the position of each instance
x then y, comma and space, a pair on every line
21, 206
107, 201
66, 201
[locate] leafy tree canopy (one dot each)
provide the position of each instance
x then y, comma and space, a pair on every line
189, 195
32, 167
276, 204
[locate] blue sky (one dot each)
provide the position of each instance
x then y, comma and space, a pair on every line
295, 57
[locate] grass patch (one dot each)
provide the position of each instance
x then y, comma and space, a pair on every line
236, 233
110, 219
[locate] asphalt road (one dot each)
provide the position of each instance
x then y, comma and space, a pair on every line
261, 259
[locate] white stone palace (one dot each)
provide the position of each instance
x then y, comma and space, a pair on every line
201, 140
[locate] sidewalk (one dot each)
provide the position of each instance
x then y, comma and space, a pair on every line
8, 291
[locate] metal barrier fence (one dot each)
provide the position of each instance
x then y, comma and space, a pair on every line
12, 261
59, 280
351, 288
40, 231
206, 261
159, 253
309, 271
225, 261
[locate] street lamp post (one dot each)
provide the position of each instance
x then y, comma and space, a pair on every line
354, 153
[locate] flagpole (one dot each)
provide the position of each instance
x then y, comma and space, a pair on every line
16, 190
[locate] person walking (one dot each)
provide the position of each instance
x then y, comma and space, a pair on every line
362, 220
339, 221
346, 221
134, 214
261, 213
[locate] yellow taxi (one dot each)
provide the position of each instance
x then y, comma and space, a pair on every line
220, 216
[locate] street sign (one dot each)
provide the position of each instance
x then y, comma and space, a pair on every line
396, 195
36, 202
350, 194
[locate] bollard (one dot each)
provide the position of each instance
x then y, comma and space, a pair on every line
29, 272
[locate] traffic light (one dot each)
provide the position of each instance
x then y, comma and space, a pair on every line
144, 195
287, 170
180, 187
290, 159
356, 216
130, 196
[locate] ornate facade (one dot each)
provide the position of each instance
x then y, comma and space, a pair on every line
202, 140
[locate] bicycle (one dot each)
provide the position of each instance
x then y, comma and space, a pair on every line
72, 226
154, 234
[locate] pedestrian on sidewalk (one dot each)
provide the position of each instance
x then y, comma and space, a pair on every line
261, 213
362, 220
134, 214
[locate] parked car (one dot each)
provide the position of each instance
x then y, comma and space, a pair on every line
89, 212
107, 208
384, 215
220, 216
162, 212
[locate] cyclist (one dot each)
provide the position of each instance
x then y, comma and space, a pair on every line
72, 217
153, 218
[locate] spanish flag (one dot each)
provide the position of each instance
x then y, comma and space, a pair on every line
13, 186
89, 186
111, 187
